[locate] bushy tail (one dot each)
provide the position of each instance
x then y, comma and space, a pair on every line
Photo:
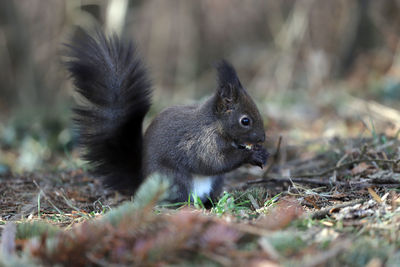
114, 83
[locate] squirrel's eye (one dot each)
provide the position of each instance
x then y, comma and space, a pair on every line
245, 121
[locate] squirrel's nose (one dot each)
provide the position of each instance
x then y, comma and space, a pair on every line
258, 137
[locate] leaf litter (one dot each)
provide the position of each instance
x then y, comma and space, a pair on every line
336, 206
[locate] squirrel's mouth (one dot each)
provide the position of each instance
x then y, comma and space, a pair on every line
244, 146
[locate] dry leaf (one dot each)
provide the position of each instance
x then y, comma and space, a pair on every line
280, 216
360, 168
374, 195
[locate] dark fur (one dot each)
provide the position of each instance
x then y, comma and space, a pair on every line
114, 82
182, 142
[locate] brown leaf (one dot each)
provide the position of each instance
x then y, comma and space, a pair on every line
360, 168
312, 200
219, 234
282, 214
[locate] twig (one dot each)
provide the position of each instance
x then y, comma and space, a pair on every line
47, 198
389, 183
289, 180
253, 201
333, 178
274, 157
347, 164
320, 214
68, 202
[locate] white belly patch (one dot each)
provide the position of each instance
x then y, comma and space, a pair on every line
202, 186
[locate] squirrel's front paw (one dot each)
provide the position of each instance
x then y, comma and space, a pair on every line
258, 156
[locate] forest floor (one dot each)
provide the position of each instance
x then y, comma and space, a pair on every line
326, 202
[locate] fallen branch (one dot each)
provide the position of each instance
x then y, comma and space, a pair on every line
289, 180
320, 214
347, 164
389, 183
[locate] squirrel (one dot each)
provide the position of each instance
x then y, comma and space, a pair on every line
192, 145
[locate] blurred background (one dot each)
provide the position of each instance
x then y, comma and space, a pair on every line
317, 69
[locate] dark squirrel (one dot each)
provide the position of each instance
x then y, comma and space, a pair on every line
192, 145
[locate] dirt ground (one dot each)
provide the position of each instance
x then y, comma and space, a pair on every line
322, 203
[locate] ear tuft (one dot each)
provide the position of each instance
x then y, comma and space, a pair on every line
228, 86
227, 76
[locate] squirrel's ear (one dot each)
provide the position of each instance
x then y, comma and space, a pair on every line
227, 96
228, 86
